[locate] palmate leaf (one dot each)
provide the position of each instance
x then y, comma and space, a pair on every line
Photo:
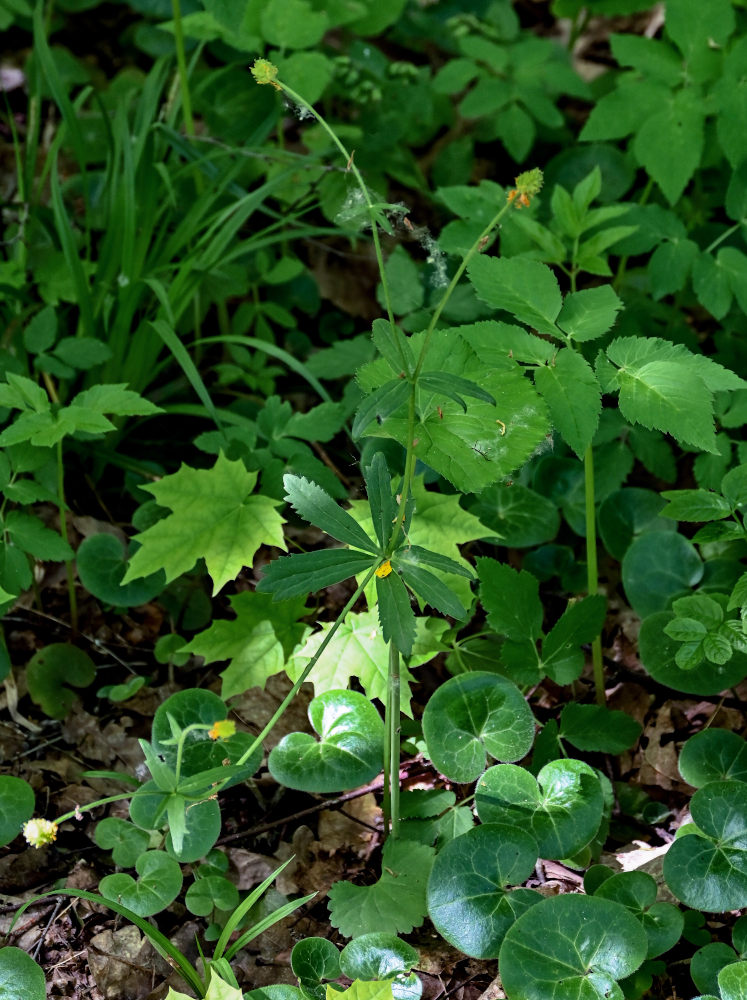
393, 905
358, 650
213, 517
474, 448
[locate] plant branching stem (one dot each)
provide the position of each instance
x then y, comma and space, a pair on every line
307, 670
392, 744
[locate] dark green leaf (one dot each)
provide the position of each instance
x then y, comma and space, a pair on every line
318, 507
395, 612
428, 587
380, 498
511, 600
596, 728
382, 403
306, 572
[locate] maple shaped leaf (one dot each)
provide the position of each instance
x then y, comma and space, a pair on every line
393, 905
214, 517
358, 650
257, 642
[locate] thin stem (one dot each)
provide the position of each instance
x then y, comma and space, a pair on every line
92, 805
307, 670
72, 597
392, 741
724, 236
592, 571
183, 74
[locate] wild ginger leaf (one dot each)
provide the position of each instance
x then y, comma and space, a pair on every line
572, 393
527, 289
214, 517
393, 905
318, 507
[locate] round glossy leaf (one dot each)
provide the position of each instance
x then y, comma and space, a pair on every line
571, 947
657, 652
520, 517
349, 751
707, 962
20, 977
472, 716
709, 872
732, 982
159, 883
200, 752
467, 897
211, 893
275, 992
636, 890
50, 671
377, 956
313, 961
713, 755
627, 513
125, 841
16, 806
657, 567
148, 807
203, 826
561, 808
101, 565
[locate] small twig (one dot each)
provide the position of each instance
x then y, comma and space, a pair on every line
357, 793
52, 918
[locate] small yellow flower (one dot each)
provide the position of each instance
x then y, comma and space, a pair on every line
384, 570
39, 832
264, 71
222, 729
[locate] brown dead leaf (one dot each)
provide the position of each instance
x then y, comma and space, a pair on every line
124, 963
249, 869
338, 830
256, 707
658, 758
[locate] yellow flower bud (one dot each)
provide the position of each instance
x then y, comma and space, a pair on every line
264, 71
39, 832
222, 729
384, 570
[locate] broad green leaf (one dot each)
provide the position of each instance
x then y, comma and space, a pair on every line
596, 728
511, 600
377, 956
561, 808
393, 345
627, 513
393, 905
114, 399
713, 755
695, 505
581, 622
468, 901
209, 893
318, 508
102, 562
301, 574
525, 288
52, 672
692, 27
652, 58
712, 284
571, 946
570, 389
159, 883
657, 567
21, 393
472, 716
257, 642
201, 827
590, 313
636, 891
396, 616
292, 24
732, 981
358, 650
125, 841
475, 448
734, 486
349, 751
16, 806
313, 960
708, 870
362, 991
669, 143
20, 977
214, 517
706, 964
380, 404
517, 516
406, 293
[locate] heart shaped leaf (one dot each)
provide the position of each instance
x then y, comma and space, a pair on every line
562, 807
473, 715
159, 883
713, 755
708, 870
663, 922
349, 751
374, 957
657, 652
16, 806
313, 961
20, 977
468, 901
575, 947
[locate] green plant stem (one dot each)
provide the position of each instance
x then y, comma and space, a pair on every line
349, 159
724, 236
592, 571
307, 670
71, 595
392, 744
92, 805
183, 74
